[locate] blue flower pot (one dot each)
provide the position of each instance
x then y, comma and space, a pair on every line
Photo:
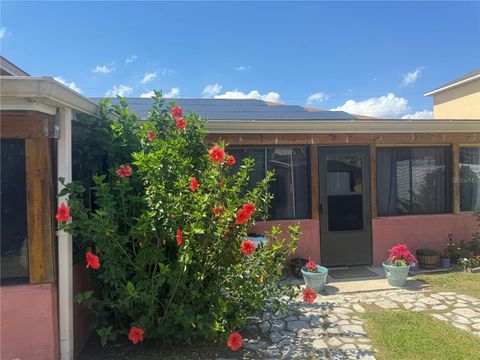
396, 275
315, 280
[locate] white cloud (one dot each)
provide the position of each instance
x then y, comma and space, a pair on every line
317, 98
386, 106
105, 69
147, 94
424, 114
122, 90
211, 90
71, 85
410, 77
131, 59
254, 94
173, 93
149, 77
242, 68
3, 32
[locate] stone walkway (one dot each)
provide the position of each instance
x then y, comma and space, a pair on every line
332, 327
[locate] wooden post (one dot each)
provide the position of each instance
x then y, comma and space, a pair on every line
373, 179
314, 181
456, 178
39, 211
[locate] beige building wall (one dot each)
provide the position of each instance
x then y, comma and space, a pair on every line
461, 102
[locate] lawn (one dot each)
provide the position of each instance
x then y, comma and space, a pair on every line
404, 335
458, 281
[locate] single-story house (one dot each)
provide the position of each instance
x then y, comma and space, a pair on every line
356, 185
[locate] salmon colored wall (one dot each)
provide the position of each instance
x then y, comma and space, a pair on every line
29, 325
309, 242
419, 231
81, 315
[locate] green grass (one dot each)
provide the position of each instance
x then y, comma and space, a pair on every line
403, 335
459, 282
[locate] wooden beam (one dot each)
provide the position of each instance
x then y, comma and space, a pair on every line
456, 178
401, 139
314, 182
373, 180
38, 159
27, 125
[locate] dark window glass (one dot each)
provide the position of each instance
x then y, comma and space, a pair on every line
14, 242
413, 180
345, 212
470, 179
290, 186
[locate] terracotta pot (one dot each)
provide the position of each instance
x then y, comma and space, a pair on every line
428, 261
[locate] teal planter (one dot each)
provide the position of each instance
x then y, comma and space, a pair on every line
396, 275
315, 280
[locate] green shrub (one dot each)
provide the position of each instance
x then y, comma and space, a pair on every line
164, 239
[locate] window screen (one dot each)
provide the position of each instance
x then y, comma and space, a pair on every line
470, 179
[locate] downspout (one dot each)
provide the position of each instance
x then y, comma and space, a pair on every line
65, 251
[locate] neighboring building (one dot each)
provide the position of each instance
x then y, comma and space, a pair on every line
458, 99
356, 186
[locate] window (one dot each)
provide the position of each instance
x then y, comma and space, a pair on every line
290, 187
14, 242
413, 180
470, 179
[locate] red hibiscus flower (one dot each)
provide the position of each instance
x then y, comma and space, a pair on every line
150, 135
180, 123
247, 247
193, 184
179, 237
136, 335
92, 260
311, 265
217, 154
235, 341
218, 210
249, 208
309, 295
63, 213
176, 112
242, 217
231, 160
124, 171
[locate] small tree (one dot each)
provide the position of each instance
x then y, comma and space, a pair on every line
165, 240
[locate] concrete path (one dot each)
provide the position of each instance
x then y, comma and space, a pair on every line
332, 327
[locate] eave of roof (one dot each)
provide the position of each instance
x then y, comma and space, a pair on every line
41, 94
474, 75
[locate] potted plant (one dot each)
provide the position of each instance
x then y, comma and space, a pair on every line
315, 276
398, 264
445, 259
428, 258
471, 264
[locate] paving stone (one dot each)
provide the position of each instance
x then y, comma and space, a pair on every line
440, 317
437, 296
419, 308
440, 307
355, 330
275, 337
364, 346
460, 305
291, 318
277, 325
297, 324
333, 342
461, 326
342, 310
255, 346
467, 298
468, 313
358, 308
347, 347
265, 327
459, 319
319, 344
408, 306
447, 293
387, 304
429, 301
476, 326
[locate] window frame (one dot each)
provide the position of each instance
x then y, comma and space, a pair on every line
449, 189
460, 147
308, 184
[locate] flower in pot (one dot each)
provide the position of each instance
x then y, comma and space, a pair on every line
398, 264
471, 264
315, 276
445, 259
428, 258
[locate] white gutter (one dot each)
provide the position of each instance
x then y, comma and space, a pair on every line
341, 126
443, 88
44, 90
65, 249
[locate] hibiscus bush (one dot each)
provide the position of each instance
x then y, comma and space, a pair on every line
165, 239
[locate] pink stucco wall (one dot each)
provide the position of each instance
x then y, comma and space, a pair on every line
419, 231
309, 242
29, 325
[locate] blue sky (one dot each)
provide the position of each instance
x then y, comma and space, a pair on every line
375, 58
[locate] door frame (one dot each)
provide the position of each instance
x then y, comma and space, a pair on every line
367, 195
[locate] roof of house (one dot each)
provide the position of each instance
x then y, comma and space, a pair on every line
461, 80
238, 109
8, 68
